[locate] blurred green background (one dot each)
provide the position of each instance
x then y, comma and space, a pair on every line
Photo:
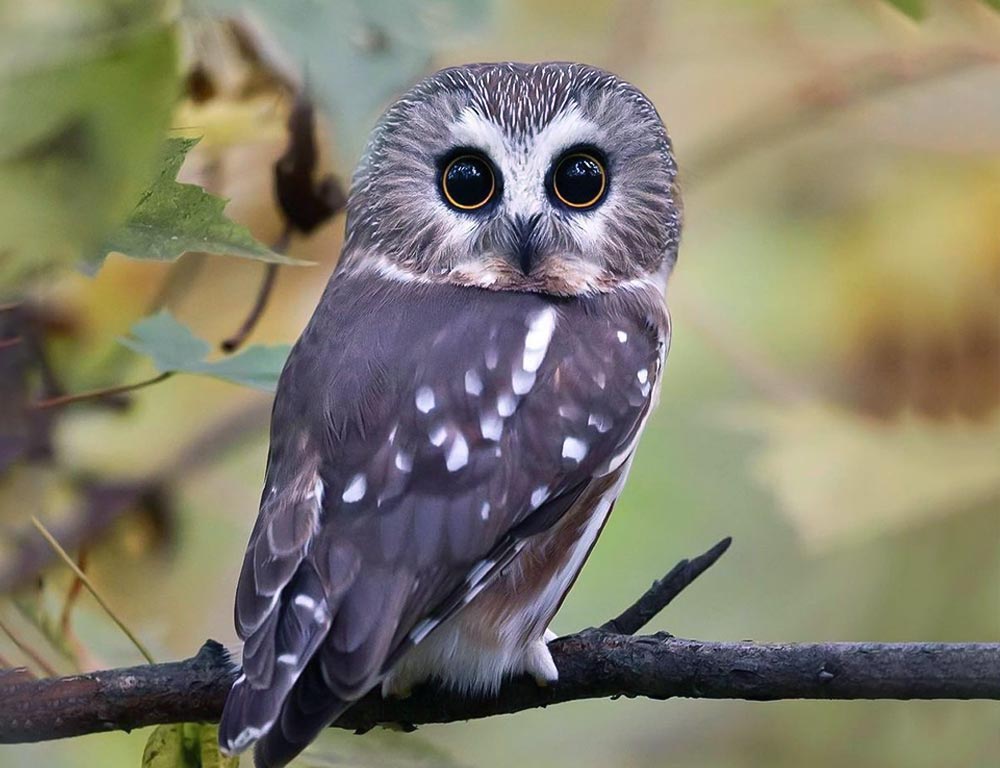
832, 395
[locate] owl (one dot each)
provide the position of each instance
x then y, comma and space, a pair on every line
453, 427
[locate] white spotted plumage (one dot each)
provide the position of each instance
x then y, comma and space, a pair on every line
455, 424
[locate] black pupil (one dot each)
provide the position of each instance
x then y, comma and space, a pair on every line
579, 180
469, 182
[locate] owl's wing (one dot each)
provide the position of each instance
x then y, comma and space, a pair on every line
420, 435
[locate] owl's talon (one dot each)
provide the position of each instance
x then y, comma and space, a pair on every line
394, 688
538, 663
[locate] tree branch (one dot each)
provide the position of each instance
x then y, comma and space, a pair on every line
595, 663
660, 595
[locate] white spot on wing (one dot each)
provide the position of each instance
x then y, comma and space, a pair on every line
539, 495
422, 629
484, 511
574, 448
622, 336
288, 659
473, 384
541, 326
404, 462
246, 737
522, 381
458, 454
425, 399
479, 570
602, 423
491, 425
355, 490
438, 435
642, 376
492, 357
506, 404
305, 601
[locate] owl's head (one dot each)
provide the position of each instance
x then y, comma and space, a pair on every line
555, 178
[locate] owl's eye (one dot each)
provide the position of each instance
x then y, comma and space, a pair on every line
579, 180
468, 182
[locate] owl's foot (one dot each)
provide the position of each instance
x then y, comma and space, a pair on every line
397, 687
538, 661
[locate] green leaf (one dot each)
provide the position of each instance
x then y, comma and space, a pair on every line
185, 745
174, 348
171, 345
384, 44
915, 9
165, 748
172, 218
86, 93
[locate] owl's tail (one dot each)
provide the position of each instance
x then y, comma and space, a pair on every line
309, 708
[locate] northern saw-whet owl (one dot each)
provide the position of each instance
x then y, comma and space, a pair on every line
455, 423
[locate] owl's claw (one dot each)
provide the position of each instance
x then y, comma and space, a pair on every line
396, 688
538, 661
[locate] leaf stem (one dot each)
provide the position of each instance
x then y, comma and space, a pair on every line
235, 341
96, 394
90, 588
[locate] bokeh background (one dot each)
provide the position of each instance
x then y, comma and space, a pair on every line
832, 396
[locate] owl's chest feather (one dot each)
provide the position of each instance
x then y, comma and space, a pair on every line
504, 630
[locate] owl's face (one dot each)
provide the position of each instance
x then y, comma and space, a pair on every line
553, 178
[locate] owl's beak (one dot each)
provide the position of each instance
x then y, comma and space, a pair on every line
524, 241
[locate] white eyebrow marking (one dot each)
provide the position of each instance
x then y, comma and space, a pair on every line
425, 399
473, 384
574, 448
458, 454
355, 490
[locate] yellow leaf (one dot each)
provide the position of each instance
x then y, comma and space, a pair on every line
837, 474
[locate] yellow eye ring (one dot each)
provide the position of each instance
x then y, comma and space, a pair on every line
468, 182
579, 180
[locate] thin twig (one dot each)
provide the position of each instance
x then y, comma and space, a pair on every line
90, 588
27, 650
660, 595
235, 341
72, 595
96, 394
